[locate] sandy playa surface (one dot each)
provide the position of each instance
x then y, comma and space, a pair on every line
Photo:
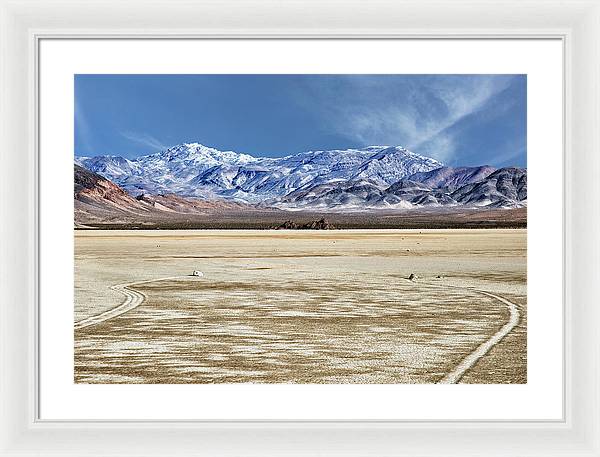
299, 306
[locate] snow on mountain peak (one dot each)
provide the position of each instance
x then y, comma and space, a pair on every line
198, 153
195, 169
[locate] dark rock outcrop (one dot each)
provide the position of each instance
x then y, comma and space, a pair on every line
287, 225
320, 224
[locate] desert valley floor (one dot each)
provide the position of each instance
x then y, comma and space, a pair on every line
300, 306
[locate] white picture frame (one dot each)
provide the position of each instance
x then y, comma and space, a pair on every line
24, 23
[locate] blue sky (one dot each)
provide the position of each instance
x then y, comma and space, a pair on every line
458, 119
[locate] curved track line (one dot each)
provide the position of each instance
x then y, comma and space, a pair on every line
133, 299
467, 363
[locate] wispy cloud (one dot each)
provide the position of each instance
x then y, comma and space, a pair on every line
145, 140
442, 146
404, 110
507, 158
83, 139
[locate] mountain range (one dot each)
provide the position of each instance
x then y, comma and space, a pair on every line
99, 200
374, 177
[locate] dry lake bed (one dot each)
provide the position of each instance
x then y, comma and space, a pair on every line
301, 306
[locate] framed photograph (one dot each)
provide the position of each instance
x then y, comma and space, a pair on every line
312, 229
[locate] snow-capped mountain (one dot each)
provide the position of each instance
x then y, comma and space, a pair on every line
379, 177
111, 167
100, 200
447, 186
452, 177
192, 169
504, 188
